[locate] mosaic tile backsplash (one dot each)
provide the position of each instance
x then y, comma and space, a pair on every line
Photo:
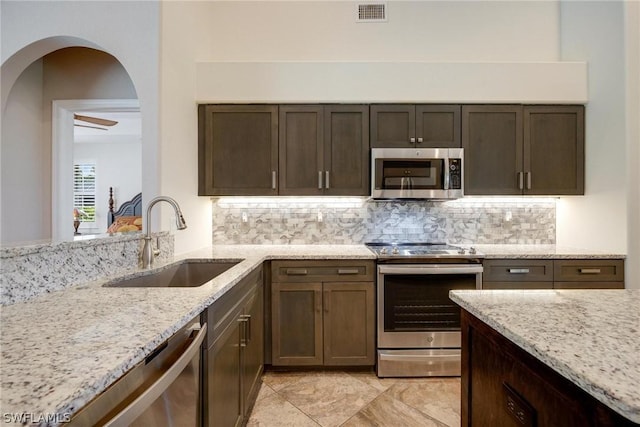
353, 221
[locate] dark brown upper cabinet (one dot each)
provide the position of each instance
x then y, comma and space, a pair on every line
324, 150
554, 150
414, 126
523, 150
237, 150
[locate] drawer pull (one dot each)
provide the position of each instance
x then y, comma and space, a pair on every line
518, 270
297, 271
348, 271
589, 270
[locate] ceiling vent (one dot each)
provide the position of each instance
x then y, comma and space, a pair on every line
371, 12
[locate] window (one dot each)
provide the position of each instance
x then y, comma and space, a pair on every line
84, 191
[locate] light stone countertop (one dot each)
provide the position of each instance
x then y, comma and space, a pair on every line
60, 350
542, 252
591, 337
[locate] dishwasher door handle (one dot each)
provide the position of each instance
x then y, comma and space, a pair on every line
142, 402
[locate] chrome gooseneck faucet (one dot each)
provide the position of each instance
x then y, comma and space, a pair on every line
147, 251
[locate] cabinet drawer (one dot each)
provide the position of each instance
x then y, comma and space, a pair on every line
322, 271
517, 270
517, 285
605, 270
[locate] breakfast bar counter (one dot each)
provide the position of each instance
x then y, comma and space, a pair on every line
581, 346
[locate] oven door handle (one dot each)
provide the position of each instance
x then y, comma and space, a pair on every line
431, 269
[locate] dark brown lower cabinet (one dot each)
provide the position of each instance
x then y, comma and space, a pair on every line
234, 355
504, 386
553, 274
322, 315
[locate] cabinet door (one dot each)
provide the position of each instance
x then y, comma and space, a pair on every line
224, 406
253, 354
346, 150
554, 149
237, 150
438, 126
393, 126
301, 154
492, 142
349, 323
296, 323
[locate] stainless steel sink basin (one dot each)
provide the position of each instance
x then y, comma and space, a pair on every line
187, 274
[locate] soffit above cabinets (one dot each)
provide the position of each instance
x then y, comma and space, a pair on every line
434, 82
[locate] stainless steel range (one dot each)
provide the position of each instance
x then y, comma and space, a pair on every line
418, 325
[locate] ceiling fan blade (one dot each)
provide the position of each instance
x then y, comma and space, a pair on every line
95, 120
90, 127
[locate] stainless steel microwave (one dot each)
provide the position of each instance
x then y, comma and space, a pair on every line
417, 173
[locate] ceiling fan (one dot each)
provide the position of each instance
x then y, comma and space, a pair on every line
93, 120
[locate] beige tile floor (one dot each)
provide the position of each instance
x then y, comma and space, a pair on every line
336, 398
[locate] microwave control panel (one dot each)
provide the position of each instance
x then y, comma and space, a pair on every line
455, 174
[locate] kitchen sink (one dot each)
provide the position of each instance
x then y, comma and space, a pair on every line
187, 274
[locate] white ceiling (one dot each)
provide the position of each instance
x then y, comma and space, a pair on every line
129, 124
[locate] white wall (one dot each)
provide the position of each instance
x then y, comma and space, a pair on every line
130, 31
23, 178
632, 38
183, 40
416, 31
594, 32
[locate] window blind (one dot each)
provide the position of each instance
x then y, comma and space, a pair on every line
84, 190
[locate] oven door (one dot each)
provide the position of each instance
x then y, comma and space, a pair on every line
414, 309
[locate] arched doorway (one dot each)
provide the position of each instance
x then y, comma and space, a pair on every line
29, 191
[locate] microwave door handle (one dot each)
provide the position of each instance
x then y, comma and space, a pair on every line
446, 176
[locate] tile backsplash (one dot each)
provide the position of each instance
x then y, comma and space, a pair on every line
354, 220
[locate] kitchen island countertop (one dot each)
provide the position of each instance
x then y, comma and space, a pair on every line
590, 337
62, 349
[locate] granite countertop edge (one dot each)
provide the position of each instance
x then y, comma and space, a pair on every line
598, 391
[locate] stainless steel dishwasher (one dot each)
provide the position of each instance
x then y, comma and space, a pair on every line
163, 390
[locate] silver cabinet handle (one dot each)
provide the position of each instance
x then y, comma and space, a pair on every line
412, 139
326, 179
528, 180
319, 180
243, 335
348, 271
589, 271
419, 139
297, 272
273, 180
142, 402
518, 270
521, 180
245, 319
